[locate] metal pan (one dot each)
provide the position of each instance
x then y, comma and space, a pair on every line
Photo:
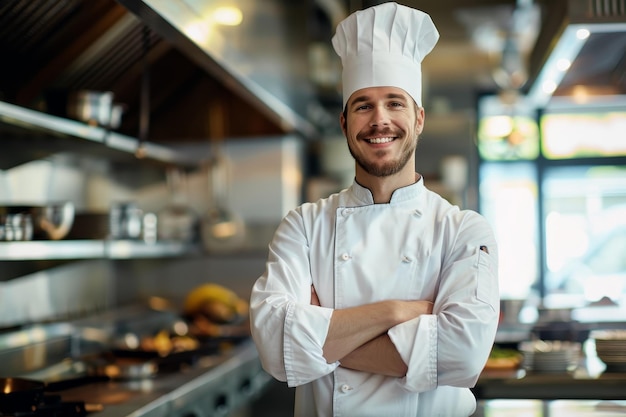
20, 394
121, 368
23, 394
171, 360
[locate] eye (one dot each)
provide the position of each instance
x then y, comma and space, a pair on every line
396, 104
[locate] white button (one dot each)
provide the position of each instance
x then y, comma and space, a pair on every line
345, 256
346, 388
406, 259
348, 211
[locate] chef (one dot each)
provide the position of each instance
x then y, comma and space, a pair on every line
382, 299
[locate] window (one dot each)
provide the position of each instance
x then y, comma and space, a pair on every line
585, 232
559, 215
509, 200
507, 132
588, 134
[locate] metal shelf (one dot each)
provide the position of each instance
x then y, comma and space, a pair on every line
131, 249
92, 249
37, 121
96, 139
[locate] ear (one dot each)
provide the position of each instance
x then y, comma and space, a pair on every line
419, 120
342, 123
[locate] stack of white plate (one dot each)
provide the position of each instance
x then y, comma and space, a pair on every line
550, 356
611, 348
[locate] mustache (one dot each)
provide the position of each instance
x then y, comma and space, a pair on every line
387, 131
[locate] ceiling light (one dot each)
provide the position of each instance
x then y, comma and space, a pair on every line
227, 16
580, 94
582, 33
563, 64
548, 87
553, 70
198, 30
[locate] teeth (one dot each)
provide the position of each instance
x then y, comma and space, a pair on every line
380, 140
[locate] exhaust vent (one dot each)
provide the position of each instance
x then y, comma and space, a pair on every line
607, 8
590, 11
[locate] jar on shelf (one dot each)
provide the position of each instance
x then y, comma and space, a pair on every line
125, 220
177, 221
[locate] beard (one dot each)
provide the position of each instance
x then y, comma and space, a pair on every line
386, 169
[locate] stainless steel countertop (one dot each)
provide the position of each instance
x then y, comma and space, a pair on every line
544, 408
522, 384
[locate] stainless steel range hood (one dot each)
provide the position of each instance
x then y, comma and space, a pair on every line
580, 54
264, 59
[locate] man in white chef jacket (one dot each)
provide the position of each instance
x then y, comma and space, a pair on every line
382, 299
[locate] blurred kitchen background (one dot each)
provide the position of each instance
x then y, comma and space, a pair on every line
152, 146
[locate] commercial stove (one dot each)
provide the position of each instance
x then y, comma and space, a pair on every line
215, 383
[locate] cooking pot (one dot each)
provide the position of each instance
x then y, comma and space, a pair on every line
50, 221
24, 394
93, 107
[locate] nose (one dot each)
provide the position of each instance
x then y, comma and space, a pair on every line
380, 116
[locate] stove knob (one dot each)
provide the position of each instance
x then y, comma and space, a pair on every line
221, 404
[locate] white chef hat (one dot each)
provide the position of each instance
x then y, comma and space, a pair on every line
384, 45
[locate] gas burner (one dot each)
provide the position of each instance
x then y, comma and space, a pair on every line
53, 406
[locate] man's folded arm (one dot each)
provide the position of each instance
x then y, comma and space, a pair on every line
352, 328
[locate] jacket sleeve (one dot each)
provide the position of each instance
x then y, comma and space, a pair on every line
288, 331
451, 346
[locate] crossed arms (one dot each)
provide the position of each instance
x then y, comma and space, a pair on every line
357, 336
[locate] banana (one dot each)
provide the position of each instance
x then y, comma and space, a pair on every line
211, 294
242, 307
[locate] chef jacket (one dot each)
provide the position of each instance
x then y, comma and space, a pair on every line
355, 252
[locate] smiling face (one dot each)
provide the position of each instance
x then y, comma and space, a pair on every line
382, 125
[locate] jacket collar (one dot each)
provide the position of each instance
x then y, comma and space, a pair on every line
364, 195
